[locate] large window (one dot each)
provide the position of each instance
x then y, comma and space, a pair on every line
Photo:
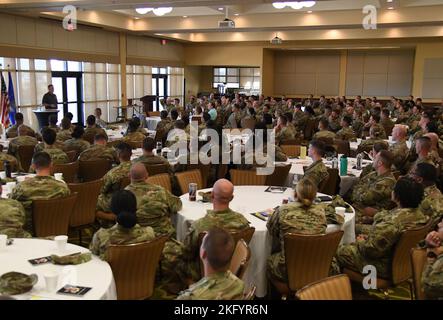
246, 80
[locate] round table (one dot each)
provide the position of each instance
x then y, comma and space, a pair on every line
247, 200
94, 273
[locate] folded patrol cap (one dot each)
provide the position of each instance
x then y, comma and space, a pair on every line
12, 283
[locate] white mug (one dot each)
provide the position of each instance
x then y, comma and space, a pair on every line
51, 279
3, 239
58, 176
340, 211
2, 175
60, 242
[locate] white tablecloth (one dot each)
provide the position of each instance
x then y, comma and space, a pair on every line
249, 199
346, 182
354, 145
95, 273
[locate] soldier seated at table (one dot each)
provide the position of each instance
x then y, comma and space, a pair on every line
12, 131
346, 133
282, 131
12, 218
302, 217
377, 246
99, 151
113, 179
7, 157
324, 134
156, 207
123, 205
399, 148
220, 216
76, 143
164, 125
317, 171
423, 146
98, 118
373, 193
66, 132
92, 129
379, 146
42, 187
432, 276
432, 204
218, 283
148, 157
58, 156
133, 135
368, 144
23, 139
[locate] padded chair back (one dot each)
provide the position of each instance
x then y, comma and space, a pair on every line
154, 169
279, 176
418, 262
162, 180
246, 178
69, 170
134, 267
72, 155
204, 170
331, 184
93, 170
89, 137
332, 288
186, 177
51, 217
240, 259
84, 209
309, 257
401, 266
25, 154
291, 151
222, 171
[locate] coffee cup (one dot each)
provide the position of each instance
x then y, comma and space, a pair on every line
51, 280
58, 176
60, 242
340, 211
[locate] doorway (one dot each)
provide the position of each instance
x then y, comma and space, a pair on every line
68, 88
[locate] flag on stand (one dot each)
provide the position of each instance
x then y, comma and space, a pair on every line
11, 96
4, 103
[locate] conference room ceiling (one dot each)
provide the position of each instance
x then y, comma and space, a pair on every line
197, 21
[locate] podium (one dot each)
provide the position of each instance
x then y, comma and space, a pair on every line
43, 116
148, 103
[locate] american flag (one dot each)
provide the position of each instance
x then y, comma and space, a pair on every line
4, 104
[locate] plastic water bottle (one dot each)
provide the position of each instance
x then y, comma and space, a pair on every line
335, 163
359, 161
343, 166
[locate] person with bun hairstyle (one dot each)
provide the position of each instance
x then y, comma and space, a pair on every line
302, 217
126, 230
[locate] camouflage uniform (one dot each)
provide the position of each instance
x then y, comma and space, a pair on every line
217, 286
357, 127
20, 141
64, 135
41, 146
368, 144
78, 145
334, 125
316, 172
57, 155
99, 152
226, 219
346, 134
163, 127
379, 131
119, 235
432, 204
134, 137
93, 131
8, 157
373, 191
432, 277
112, 182
286, 133
38, 188
291, 218
377, 250
325, 135
427, 159
151, 160
248, 158
300, 120
12, 219
12, 131
400, 152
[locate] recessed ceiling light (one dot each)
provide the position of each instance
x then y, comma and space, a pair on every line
136, 18
185, 16
390, 8
236, 14
221, 9
309, 11
390, 0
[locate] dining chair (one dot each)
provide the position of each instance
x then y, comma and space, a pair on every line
24, 155
94, 169
162, 180
69, 170
186, 177
418, 262
331, 288
246, 178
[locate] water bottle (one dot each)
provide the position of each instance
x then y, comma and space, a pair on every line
359, 161
343, 166
7, 167
334, 163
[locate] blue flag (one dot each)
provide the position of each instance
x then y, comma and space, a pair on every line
11, 96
